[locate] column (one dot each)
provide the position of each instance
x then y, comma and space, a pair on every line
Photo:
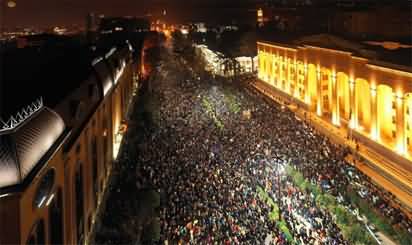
260, 65
295, 76
273, 75
280, 67
306, 85
264, 66
275, 70
269, 68
265, 61
353, 110
335, 101
319, 98
287, 79
374, 114
400, 124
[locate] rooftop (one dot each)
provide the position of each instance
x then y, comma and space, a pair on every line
22, 149
401, 56
45, 71
51, 70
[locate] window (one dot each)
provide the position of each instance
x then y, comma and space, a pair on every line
37, 236
56, 219
76, 109
44, 189
79, 205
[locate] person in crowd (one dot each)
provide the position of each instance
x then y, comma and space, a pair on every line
209, 176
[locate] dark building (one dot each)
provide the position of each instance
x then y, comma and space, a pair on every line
118, 29
123, 24
361, 19
63, 115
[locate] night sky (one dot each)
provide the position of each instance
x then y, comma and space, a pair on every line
47, 13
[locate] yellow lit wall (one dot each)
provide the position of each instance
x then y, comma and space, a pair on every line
363, 98
385, 123
326, 88
343, 96
300, 84
408, 118
312, 81
343, 89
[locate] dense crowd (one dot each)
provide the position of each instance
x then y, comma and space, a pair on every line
208, 177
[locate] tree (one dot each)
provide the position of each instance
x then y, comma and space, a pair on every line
247, 46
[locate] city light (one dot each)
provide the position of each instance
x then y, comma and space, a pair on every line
117, 141
11, 4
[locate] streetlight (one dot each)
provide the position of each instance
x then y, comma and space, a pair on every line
11, 4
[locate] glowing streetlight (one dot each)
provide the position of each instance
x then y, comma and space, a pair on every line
11, 4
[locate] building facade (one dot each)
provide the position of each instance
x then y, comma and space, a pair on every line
218, 64
55, 162
373, 99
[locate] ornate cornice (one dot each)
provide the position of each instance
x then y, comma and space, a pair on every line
21, 116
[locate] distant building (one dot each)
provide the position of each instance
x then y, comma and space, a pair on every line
382, 22
41, 40
123, 24
218, 64
200, 27
355, 19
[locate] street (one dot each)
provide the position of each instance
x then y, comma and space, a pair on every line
193, 169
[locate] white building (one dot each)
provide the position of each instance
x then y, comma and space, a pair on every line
216, 62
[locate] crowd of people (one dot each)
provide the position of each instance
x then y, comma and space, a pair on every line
208, 176
308, 223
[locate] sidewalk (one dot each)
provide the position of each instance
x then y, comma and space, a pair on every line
376, 166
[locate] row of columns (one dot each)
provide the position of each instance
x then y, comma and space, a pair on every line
282, 78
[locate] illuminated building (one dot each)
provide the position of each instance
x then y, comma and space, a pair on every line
218, 64
57, 152
371, 98
123, 24
260, 19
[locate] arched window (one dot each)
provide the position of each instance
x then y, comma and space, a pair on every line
44, 189
37, 235
56, 219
